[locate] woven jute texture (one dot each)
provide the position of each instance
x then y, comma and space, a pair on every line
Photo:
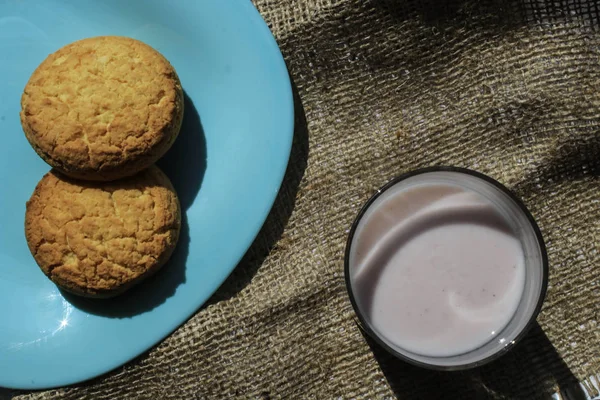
508, 88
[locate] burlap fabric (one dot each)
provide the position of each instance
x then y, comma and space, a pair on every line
509, 88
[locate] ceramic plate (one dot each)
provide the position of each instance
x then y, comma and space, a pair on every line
227, 166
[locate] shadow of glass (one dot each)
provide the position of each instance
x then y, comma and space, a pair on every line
184, 164
279, 215
531, 370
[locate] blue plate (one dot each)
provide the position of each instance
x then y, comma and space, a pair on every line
227, 166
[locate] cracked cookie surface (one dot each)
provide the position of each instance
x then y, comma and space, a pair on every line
102, 108
97, 239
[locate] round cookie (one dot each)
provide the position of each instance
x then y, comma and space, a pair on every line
97, 239
102, 108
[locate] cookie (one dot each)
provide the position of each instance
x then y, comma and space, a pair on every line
97, 239
102, 108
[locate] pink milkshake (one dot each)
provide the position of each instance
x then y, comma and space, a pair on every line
437, 268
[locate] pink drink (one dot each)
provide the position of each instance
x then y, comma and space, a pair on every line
438, 270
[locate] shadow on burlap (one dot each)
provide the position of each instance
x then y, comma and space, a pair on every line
509, 88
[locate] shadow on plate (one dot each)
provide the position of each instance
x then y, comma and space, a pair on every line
185, 164
279, 215
529, 371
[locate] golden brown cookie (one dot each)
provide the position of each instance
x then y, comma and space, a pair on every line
102, 108
97, 239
